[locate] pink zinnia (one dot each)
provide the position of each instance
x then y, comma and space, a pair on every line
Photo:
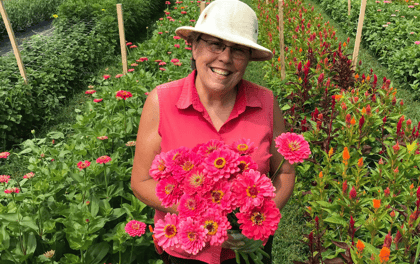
97, 100
259, 223
4, 178
102, 137
162, 69
175, 159
162, 63
293, 147
135, 228
143, 59
12, 190
221, 164
123, 94
103, 159
175, 60
29, 175
192, 236
168, 192
246, 163
252, 188
187, 48
191, 206
90, 92
177, 46
166, 231
130, 70
243, 146
206, 149
221, 198
216, 225
83, 164
106, 76
185, 164
417, 42
196, 182
118, 75
159, 169
4, 155
177, 37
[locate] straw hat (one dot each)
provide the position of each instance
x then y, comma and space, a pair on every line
230, 20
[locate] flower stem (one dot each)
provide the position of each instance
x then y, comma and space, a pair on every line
106, 181
131, 252
278, 169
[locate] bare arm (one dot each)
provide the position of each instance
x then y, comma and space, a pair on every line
147, 147
285, 179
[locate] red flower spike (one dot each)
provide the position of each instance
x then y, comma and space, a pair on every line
371, 71
353, 193
368, 110
418, 192
345, 187
384, 120
344, 106
374, 98
388, 240
352, 222
363, 75
348, 119
300, 66
384, 80
387, 191
361, 122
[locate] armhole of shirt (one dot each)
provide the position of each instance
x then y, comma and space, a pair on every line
272, 115
160, 110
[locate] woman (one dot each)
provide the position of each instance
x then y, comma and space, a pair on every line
213, 102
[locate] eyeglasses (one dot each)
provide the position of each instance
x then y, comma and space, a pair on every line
218, 47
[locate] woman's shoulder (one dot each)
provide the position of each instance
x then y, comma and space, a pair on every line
172, 84
255, 87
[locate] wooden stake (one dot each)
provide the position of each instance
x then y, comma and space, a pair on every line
122, 39
266, 2
359, 33
349, 7
202, 6
281, 35
13, 41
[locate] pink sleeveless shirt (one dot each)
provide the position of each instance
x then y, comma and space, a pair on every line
183, 121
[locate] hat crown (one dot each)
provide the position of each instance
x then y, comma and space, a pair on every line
229, 17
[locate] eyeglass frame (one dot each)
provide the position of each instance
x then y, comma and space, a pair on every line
224, 46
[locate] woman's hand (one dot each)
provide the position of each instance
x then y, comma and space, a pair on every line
237, 241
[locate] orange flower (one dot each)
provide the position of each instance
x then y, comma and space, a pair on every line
384, 254
363, 111
346, 155
368, 78
411, 186
353, 121
300, 49
376, 203
321, 175
392, 214
330, 152
360, 162
360, 246
279, 59
337, 97
291, 51
344, 44
356, 76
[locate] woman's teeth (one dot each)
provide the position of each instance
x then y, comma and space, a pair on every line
220, 72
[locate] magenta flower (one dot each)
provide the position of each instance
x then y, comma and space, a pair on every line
196, 182
177, 46
162, 69
261, 222
187, 48
130, 70
186, 163
177, 37
119, 75
174, 60
417, 42
12, 190
207, 148
159, 169
191, 205
168, 192
121, 94
90, 92
97, 100
4, 155
29, 175
293, 147
107, 76
216, 225
4, 178
102, 137
410, 6
246, 163
162, 63
133, 46
192, 236
103, 159
135, 228
128, 43
83, 164
166, 231
221, 163
243, 146
252, 188
221, 198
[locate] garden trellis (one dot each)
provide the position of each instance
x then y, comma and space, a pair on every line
281, 36
359, 33
122, 38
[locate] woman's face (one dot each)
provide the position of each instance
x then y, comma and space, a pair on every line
217, 72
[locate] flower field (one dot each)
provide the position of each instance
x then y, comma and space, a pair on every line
359, 187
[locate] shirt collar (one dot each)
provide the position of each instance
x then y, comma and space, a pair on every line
189, 96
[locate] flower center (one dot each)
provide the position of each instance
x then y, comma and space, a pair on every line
135, 226
252, 191
161, 166
188, 165
191, 204
192, 236
217, 196
196, 180
169, 188
294, 146
243, 166
257, 218
242, 147
210, 149
211, 226
219, 163
170, 231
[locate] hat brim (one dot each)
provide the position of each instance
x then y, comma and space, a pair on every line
259, 53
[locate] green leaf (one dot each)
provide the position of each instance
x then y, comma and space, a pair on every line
336, 219
4, 238
29, 222
97, 252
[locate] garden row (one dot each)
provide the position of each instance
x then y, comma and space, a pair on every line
390, 31
85, 37
361, 185
74, 201
26, 13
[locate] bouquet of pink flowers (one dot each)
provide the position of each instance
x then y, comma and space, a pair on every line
212, 184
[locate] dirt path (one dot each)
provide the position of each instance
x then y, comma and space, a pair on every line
44, 28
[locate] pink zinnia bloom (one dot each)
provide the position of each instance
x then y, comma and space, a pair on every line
159, 169
183, 12
177, 37
185, 163
216, 225
135, 228
162, 69
4, 178
192, 20
410, 6
259, 223
417, 42
196, 182
29, 175
12, 190
221, 198
252, 188
192, 236
97, 100
191, 206
162, 63
412, 33
118, 75
293, 147
133, 46
175, 159
144, 59
206, 149
168, 192
243, 146
177, 46
106, 76
130, 70
123, 94
160, 33
4, 155
128, 43
134, 65
221, 163
246, 163
90, 92
166, 231
102, 137
83, 164
187, 48
174, 60
103, 159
